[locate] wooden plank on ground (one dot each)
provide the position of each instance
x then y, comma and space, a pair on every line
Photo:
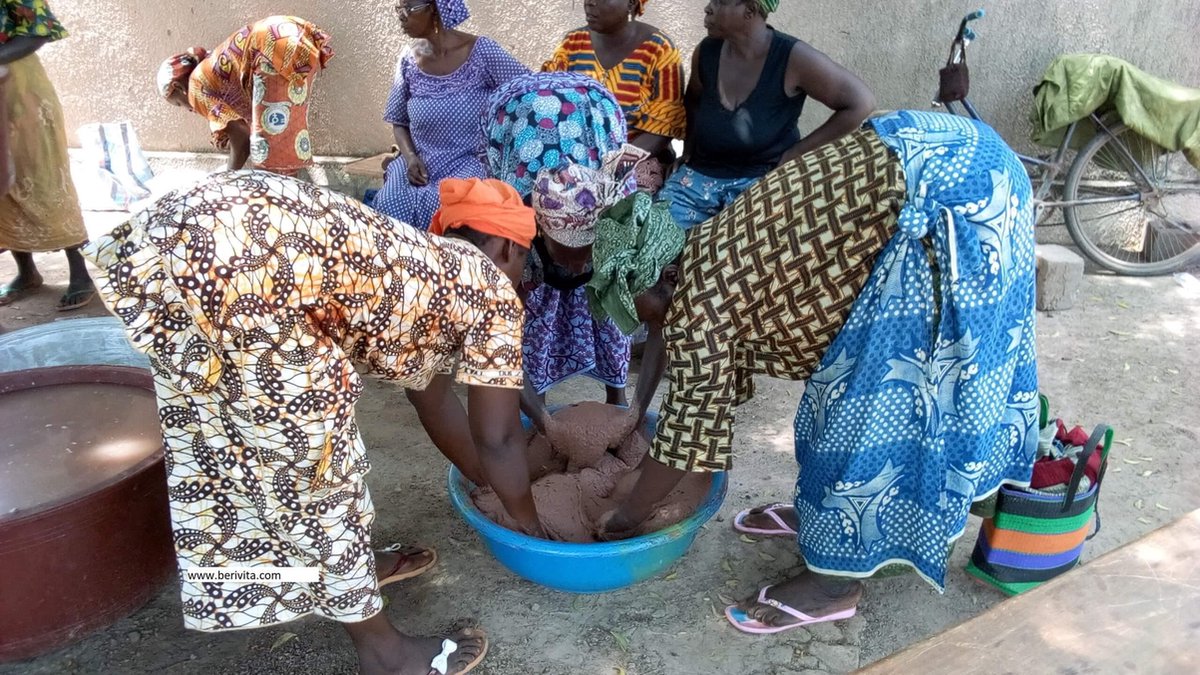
1133, 610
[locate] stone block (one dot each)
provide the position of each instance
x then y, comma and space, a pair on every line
836, 658
1059, 274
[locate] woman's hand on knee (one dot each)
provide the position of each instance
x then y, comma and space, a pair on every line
418, 173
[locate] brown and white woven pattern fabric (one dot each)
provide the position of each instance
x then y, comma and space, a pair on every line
766, 286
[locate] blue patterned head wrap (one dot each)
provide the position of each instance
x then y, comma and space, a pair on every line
452, 12
547, 120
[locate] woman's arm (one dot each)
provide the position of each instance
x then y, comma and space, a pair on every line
838, 89
238, 134
418, 173
652, 143
654, 366
691, 98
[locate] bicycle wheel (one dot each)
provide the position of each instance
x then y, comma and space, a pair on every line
1136, 206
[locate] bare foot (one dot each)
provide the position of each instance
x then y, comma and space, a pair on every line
759, 520
813, 594
413, 655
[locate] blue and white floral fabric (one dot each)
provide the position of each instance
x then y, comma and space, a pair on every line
927, 400
546, 120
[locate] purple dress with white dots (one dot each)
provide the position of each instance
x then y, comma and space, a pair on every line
442, 113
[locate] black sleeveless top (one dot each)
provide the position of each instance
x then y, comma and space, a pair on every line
748, 141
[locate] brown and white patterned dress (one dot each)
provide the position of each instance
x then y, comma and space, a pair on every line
253, 294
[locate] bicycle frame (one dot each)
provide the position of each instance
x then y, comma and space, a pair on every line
1043, 172
1119, 178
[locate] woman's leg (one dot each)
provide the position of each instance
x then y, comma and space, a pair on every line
688, 194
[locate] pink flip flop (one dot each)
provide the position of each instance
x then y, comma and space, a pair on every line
783, 531
744, 623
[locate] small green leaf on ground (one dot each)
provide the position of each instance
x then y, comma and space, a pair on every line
726, 566
1160, 507
282, 640
1144, 521
748, 539
766, 556
621, 639
1147, 474
1139, 504
671, 577
1125, 441
1130, 461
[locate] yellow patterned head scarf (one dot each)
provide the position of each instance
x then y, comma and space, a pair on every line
635, 240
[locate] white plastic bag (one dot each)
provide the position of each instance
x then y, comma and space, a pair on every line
115, 173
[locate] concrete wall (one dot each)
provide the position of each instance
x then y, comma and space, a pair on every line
105, 71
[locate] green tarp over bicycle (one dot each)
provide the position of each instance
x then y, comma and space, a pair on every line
1076, 85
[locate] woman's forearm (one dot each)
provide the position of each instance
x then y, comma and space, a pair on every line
404, 140
652, 143
654, 365
239, 153
840, 123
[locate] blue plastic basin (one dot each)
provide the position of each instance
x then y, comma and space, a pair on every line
586, 568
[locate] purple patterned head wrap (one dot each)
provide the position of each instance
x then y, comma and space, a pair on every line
452, 12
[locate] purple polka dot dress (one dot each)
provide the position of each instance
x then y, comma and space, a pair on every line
442, 113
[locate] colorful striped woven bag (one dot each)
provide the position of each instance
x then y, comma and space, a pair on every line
1034, 537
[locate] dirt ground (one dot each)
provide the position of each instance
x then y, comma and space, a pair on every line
1125, 354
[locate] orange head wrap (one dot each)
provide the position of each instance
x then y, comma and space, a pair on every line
485, 205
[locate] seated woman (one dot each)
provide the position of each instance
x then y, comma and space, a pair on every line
543, 124
254, 90
254, 322
748, 86
909, 311
641, 67
442, 83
